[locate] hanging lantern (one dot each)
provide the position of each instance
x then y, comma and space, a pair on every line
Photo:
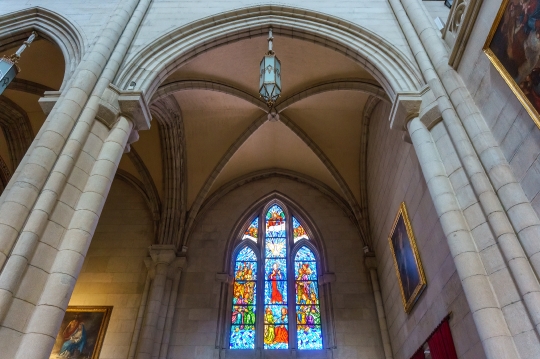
8, 65
270, 75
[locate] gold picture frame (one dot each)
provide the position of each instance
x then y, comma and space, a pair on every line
503, 47
407, 264
82, 332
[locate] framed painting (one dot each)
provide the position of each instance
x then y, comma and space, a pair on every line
513, 47
409, 270
81, 333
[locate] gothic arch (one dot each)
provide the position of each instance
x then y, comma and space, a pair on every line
293, 208
315, 245
278, 172
17, 129
160, 58
17, 26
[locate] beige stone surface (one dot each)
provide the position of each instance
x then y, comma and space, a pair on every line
114, 273
356, 328
395, 176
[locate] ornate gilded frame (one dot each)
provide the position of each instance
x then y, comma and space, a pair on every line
102, 328
408, 303
500, 68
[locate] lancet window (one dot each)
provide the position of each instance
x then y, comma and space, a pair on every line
275, 253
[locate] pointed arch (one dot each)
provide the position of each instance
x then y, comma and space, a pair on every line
279, 172
185, 85
17, 129
17, 26
392, 69
363, 85
289, 303
168, 114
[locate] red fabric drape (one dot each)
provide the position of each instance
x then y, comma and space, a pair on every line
441, 344
419, 354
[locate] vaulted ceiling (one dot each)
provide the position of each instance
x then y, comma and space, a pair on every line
225, 126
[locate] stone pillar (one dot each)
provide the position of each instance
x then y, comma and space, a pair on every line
175, 273
43, 323
371, 264
492, 328
517, 230
162, 256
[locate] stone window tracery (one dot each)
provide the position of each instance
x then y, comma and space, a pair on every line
275, 301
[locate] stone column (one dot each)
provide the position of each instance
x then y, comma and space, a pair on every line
162, 256
371, 263
516, 230
492, 328
175, 272
43, 323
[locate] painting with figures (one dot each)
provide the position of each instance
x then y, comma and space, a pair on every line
409, 271
81, 333
513, 47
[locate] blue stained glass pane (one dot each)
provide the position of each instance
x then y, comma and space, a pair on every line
309, 338
275, 269
280, 286
244, 292
307, 292
252, 231
244, 300
245, 271
298, 231
242, 338
305, 270
276, 314
308, 315
276, 336
275, 222
276, 247
244, 316
304, 254
246, 254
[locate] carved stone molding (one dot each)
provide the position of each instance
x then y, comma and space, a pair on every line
458, 28
131, 104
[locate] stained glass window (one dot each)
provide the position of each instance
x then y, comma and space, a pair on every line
308, 311
276, 318
244, 300
252, 231
287, 282
298, 231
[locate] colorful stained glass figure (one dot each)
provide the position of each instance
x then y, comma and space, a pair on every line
276, 329
308, 312
298, 231
276, 247
244, 300
252, 231
275, 222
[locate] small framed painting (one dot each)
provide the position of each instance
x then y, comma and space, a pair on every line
409, 270
512, 47
81, 333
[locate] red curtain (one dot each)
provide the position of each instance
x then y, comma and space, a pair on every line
419, 354
441, 344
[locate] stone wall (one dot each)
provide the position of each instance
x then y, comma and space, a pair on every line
356, 328
114, 273
166, 15
512, 127
395, 176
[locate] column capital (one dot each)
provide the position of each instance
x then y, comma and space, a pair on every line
48, 100
370, 261
131, 104
162, 253
406, 106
